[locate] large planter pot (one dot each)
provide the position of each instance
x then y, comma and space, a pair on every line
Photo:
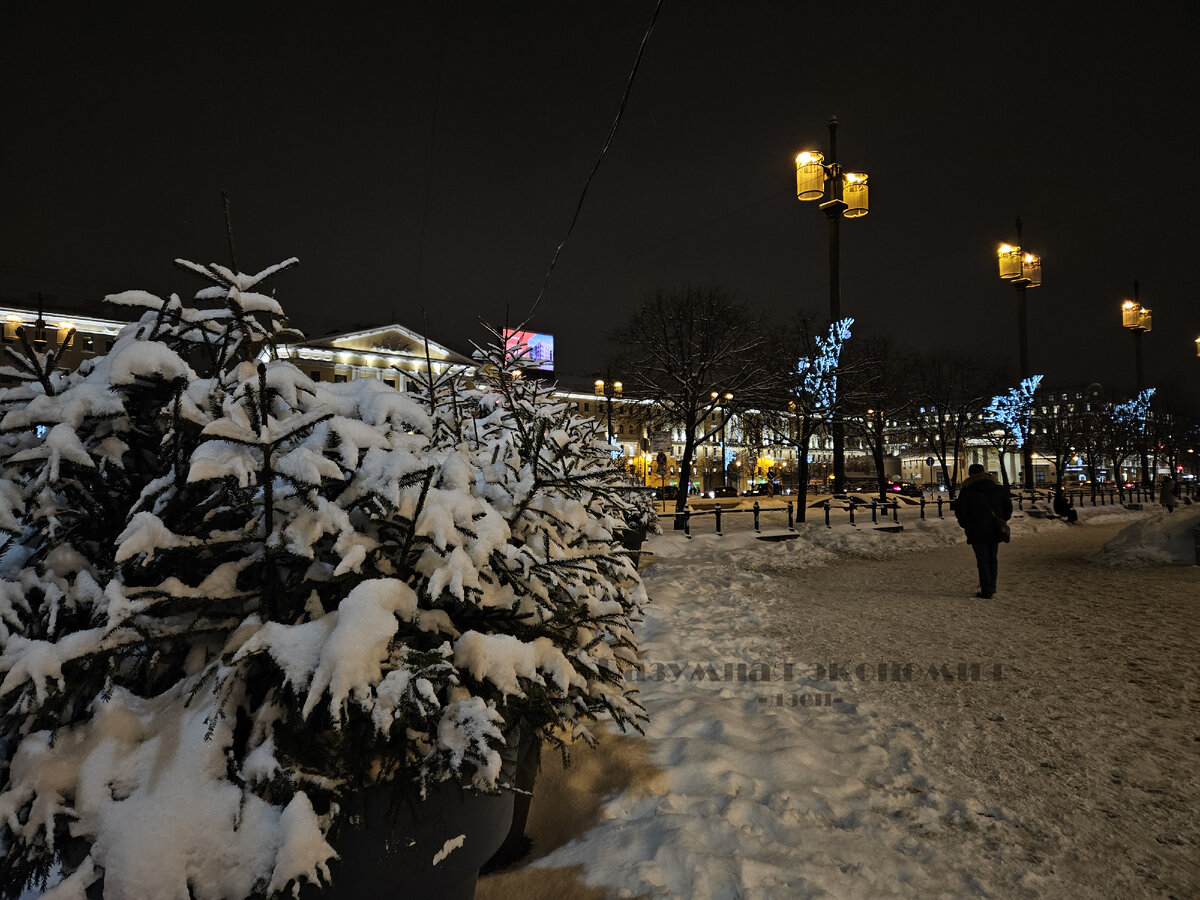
429, 849
523, 771
632, 540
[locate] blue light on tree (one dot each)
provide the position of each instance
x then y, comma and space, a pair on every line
1011, 411
1135, 412
819, 373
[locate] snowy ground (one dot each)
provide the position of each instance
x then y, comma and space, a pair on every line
1064, 765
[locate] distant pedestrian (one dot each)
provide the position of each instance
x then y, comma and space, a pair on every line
1167, 497
983, 507
1063, 506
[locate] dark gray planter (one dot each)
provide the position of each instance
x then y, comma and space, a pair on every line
632, 539
392, 853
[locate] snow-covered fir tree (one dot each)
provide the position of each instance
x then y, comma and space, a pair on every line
231, 598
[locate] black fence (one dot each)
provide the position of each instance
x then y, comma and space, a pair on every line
875, 508
889, 510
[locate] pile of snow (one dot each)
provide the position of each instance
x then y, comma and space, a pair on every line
1158, 537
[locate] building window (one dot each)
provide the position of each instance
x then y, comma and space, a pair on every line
314, 375
390, 382
339, 379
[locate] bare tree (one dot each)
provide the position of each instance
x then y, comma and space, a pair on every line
950, 393
881, 395
1055, 428
685, 351
800, 393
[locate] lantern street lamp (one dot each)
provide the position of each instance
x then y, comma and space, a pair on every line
1023, 270
724, 418
1139, 320
607, 390
842, 193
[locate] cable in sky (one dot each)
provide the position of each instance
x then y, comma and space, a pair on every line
603, 150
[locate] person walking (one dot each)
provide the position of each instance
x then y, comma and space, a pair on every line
982, 507
1167, 497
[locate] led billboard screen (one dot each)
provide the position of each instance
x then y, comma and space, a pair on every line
538, 348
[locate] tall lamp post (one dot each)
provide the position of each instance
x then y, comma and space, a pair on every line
841, 194
608, 390
1139, 320
1023, 270
724, 419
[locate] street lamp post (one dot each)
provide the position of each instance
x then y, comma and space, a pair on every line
842, 194
1023, 270
1139, 320
724, 419
607, 390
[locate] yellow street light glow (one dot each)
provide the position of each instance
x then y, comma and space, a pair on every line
1031, 269
1010, 261
810, 175
854, 193
65, 324
13, 317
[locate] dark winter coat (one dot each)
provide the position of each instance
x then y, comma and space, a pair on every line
979, 497
1062, 505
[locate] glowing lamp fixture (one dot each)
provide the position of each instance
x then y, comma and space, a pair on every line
1010, 262
854, 193
1136, 317
599, 387
1031, 269
810, 175
1198, 354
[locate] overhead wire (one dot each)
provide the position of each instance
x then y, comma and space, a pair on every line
600, 158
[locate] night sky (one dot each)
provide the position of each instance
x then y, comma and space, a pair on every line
429, 157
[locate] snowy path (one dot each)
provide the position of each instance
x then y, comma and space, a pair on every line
1090, 741
1073, 775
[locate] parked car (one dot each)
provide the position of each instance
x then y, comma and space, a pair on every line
905, 488
762, 490
723, 492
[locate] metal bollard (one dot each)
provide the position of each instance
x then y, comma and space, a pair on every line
896, 511
826, 505
922, 506
756, 528
852, 514
717, 510
874, 512
940, 516
791, 518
